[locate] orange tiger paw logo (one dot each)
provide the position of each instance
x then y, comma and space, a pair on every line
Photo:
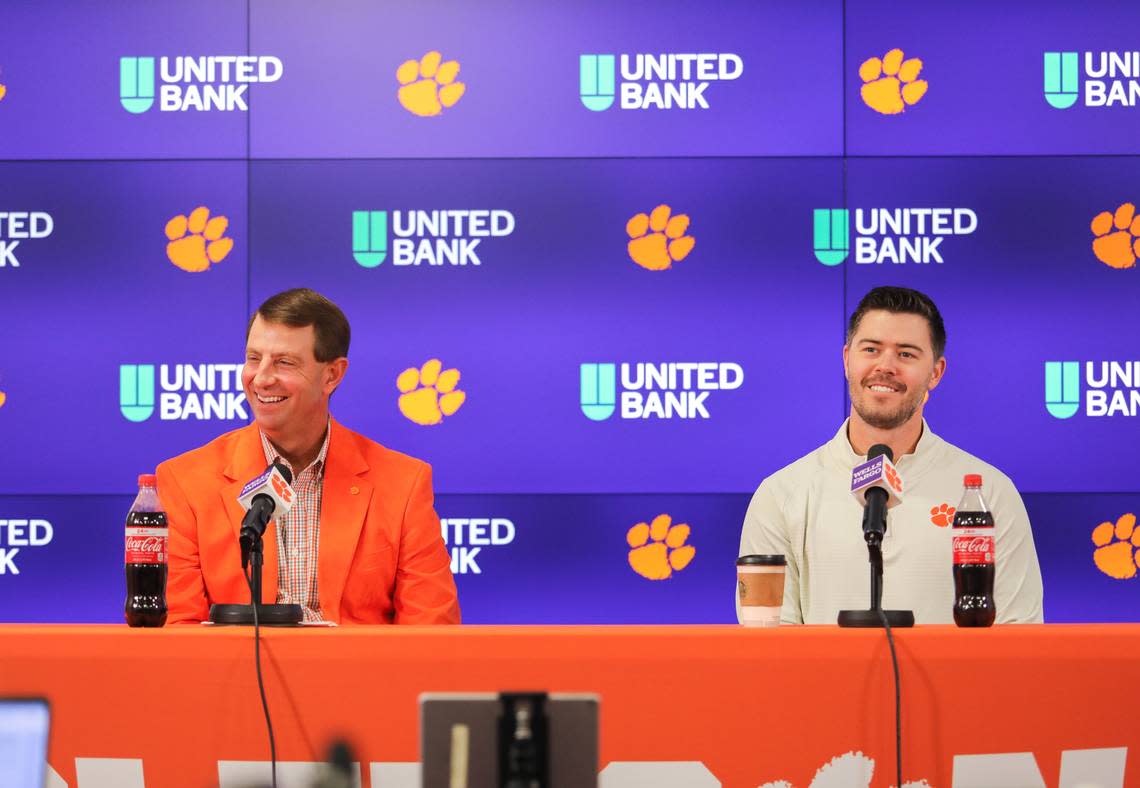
665, 245
428, 394
942, 515
197, 240
893, 479
1121, 248
428, 85
891, 85
659, 548
1116, 554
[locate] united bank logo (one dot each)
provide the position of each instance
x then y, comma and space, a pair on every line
20, 227
1111, 79
467, 537
428, 86
655, 391
888, 235
1116, 236
598, 390
653, 81
1112, 388
597, 81
3, 91
369, 237
1062, 87
199, 392
136, 391
434, 238
18, 534
216, 83
831, 236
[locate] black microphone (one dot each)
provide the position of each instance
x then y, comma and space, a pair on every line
875, 515
263, 497
877, 486
269, 495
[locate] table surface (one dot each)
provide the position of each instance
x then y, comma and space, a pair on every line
752, 705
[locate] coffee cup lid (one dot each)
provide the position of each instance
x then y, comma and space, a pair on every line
761, 560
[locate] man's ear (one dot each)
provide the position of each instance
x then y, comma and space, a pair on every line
936, 375
334, 374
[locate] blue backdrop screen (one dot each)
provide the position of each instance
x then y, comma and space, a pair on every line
636, 232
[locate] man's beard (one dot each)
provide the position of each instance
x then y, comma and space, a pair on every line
885, 420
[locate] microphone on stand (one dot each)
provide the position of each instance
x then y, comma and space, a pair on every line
877, 486
267, 495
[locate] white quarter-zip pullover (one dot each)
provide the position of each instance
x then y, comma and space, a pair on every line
806, 512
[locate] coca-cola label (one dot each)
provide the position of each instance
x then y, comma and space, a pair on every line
973, 546
146, 545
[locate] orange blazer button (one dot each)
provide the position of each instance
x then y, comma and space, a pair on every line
354, 489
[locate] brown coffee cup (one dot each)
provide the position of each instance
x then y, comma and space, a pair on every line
760, 584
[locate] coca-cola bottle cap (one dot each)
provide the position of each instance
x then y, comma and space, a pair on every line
147, 480
973, 480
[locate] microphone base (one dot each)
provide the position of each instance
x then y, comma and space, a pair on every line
870, 618
267, 615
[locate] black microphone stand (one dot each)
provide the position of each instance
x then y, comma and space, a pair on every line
873, 617
524, 741
273, 615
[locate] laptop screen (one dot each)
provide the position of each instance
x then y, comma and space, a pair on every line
23, 741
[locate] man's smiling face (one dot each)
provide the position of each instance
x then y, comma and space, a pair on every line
890, 366
286, 386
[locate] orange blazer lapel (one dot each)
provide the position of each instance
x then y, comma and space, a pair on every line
344, 505
247, 461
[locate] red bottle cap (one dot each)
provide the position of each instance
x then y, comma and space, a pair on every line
973, 480
147, 480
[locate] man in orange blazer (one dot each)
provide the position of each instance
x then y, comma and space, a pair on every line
361, 544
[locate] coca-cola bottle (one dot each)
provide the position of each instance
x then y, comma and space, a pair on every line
146, 557
973, 537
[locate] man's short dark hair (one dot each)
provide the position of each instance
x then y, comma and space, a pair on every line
902, 300
302, 307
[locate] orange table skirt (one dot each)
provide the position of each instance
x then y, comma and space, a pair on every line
753, 706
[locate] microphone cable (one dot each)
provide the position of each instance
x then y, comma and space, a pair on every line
260, 682
898, 699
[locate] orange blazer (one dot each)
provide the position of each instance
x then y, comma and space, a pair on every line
381, 554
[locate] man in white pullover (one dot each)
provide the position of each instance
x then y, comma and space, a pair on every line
892, 358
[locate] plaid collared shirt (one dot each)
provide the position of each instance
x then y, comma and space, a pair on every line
299, 533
